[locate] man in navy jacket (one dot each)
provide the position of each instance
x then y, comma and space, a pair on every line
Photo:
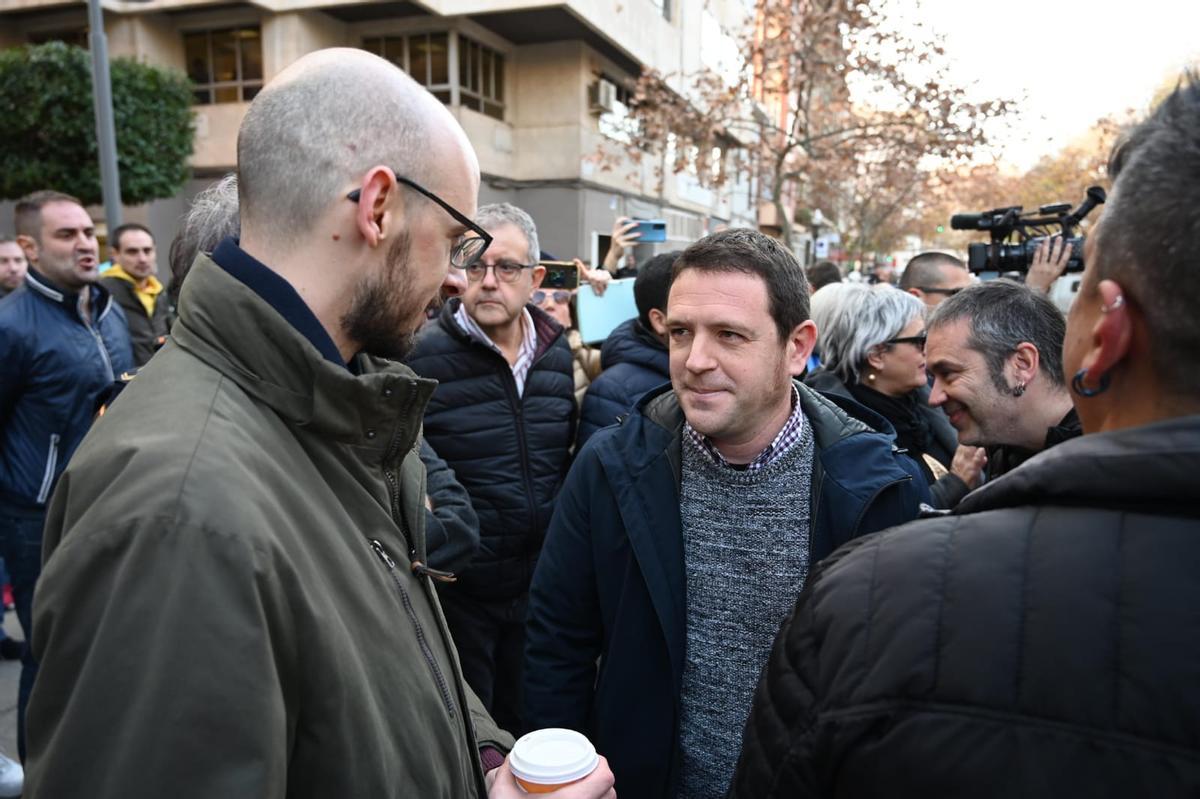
683, 535
62, 342
634, 356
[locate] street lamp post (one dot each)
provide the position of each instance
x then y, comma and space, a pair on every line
106, 137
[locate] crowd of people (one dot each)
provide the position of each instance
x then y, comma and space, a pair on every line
351, 505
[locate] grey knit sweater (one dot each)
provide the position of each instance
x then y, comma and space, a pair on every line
746, 550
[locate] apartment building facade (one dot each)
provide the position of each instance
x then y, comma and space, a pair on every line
539, 87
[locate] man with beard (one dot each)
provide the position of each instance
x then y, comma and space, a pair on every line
995, 353
133, 283
503, 417
236, 600
62, 342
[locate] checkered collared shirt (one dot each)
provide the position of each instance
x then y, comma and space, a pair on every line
520, 369
783, 442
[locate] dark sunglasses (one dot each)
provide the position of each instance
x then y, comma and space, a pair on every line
560, 297
936, 290
466, 251
917, 341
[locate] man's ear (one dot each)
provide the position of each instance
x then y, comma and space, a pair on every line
920, 295
1023, 363
29, 246
1112, 334
658, 322
539, 274
373, 218
801, 342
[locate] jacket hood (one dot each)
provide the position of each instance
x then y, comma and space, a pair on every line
629, 342
153, 286
1154, 466
228, 326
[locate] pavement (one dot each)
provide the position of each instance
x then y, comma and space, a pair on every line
10, 675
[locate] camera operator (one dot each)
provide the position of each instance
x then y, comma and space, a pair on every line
995, 352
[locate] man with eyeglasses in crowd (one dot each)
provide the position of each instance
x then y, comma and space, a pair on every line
236, 599
934, 276
503, 416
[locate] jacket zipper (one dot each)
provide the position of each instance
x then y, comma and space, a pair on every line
51, 463
422, 642
98, 338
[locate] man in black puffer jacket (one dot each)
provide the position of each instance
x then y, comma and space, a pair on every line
1044, 640
634, 357
503, 418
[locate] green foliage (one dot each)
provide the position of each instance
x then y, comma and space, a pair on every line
48, 125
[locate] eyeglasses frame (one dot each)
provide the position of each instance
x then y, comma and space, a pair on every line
356, 195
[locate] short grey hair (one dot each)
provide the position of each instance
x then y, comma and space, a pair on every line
1003, 314
865, 317
305, 142
497, 214
212, 217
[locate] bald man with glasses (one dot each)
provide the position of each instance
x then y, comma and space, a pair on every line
503, 417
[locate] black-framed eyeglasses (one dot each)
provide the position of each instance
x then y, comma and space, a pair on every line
505, 271
937, 290
466, 251
917, 341
560, 296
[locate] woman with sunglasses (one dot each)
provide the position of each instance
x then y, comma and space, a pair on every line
873, 350
557, 303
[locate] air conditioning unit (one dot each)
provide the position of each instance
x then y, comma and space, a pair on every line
602, 96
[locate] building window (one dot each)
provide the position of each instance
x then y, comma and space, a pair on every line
480, 78
76, 37
428, 57
425, 56
226, 65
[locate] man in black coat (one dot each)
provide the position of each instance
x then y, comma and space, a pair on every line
1043, 641
503, 418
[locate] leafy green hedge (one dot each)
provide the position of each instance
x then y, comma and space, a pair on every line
48, 125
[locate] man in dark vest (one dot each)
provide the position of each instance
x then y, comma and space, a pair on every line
503, 417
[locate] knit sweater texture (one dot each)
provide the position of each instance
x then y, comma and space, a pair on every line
746, 553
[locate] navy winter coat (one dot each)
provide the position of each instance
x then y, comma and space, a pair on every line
53, 367
634, 362
510, 452
610, 584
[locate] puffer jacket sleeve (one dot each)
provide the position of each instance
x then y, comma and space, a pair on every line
124, 612
563, 631
487, 731
451, 528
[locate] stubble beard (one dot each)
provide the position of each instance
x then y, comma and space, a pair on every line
385, 315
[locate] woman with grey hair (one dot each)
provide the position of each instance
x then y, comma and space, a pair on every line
872, 343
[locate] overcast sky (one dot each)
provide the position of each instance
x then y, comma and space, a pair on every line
1073, 61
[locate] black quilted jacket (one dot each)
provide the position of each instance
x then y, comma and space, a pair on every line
1044, 641
510, 452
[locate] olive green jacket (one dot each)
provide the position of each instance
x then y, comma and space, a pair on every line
227, 607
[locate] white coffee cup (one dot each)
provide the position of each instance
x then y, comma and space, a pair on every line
545, 760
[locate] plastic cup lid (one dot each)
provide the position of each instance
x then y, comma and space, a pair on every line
552, 756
